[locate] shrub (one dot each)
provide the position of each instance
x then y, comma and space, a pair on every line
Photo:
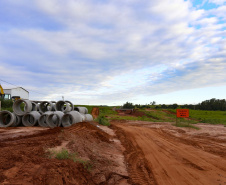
102, 120
128, 105
6, 103
63, 154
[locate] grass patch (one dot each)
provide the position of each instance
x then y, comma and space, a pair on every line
102, 120
64, 154
212, 117
10, 109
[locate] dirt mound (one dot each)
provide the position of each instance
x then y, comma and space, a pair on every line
95, 112
138, 113
169, 112
25, 160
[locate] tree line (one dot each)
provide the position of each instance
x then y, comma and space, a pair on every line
212, 104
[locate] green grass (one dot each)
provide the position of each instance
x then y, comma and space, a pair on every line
140, 118
64, 154
212, 117
102, 120
10, 109
197, 116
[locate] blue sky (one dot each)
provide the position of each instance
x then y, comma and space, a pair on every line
110, 52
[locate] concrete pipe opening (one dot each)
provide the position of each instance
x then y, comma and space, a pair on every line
71, 105
63, 106
46, 106
7, 119
54, 119
18, 121
22, 107
70, 118
34, 106
31, 119
82, 110
42, 119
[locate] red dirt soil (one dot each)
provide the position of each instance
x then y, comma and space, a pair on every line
159, 153
134, 113
152, 153
24, 158
95, 112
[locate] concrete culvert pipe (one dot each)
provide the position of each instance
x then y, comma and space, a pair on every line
63, 106
83, 117
46, 106
22, 107
34, 106
7, 119
82, 110
71, 105
54, 119
31, 119
18, 121
71, 118
88, 117
42, 119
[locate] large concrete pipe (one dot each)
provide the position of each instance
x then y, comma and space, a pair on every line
83, 117
71, 105
42, 119
31, 119
88, 117
63, 106
54, 119
82, 110
7, 118
34, 106
71, 118
18, 121
46, 106
18, 107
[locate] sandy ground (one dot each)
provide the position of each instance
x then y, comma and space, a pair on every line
159, 153
127, 152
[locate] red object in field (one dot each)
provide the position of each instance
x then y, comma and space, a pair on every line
182, 113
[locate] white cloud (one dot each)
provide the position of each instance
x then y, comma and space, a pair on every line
218, 2
111, 50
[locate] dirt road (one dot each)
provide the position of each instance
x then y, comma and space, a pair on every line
166, 155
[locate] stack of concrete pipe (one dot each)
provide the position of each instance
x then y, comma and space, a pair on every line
45, 114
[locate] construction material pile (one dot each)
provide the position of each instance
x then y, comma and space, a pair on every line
45, 114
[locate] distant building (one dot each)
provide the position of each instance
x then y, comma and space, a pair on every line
17, 91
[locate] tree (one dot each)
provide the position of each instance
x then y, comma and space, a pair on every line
128, 105
153, 103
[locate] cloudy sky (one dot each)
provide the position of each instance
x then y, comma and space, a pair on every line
113, 51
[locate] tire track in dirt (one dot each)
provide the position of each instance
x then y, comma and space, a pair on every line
167, 161
138, 169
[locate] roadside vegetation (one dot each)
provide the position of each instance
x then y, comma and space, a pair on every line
102, 120
65, 154
6, 105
